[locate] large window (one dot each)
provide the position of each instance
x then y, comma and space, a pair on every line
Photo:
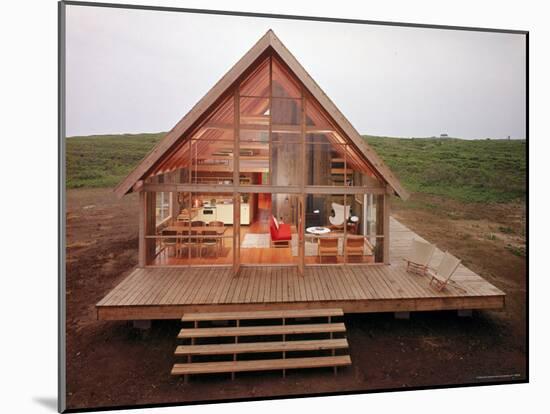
270, 126
272, 132
343, 228
271, 234
163, 203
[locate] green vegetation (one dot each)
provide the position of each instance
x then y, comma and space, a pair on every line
466, 170
470, 171
520, 251
506, 230
104, 160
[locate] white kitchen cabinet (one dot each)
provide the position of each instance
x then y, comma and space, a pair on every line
206, 214
224, 212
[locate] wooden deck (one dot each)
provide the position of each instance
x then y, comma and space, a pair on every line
166, 293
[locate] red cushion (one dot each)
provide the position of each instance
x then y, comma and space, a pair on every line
283, 233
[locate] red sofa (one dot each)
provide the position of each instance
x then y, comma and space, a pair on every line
280, 237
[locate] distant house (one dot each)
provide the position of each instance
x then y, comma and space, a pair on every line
444, 136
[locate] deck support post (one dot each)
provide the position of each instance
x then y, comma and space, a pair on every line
333, 351
238, 324
284, 353
402, 315
465, 313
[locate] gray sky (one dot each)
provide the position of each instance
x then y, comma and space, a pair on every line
131, 71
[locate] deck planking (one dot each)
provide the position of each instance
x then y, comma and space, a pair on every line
165, 293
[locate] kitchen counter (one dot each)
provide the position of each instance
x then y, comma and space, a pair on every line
223, 213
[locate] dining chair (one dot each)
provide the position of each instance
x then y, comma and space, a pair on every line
328, 247
169, 242
189, 240
207, 241
217, 223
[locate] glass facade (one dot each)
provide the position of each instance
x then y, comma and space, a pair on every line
268, 131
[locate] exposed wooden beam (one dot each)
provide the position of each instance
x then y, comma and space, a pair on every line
261, 189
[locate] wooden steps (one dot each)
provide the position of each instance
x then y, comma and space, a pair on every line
260, 365
271, 314
258, 347
261, 330
291, 323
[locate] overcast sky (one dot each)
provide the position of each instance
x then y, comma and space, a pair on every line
131, 71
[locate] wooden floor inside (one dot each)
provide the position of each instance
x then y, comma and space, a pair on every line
250, 255
168, 292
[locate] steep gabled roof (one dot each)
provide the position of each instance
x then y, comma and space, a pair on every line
269, 40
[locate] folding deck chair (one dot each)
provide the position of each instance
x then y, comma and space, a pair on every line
442, 275
419, 257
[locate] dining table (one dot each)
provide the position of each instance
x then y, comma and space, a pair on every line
199, 229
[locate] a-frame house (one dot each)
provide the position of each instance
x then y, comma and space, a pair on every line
299, 161
265, 198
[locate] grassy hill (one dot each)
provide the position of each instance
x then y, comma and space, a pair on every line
470, 171
466, 170
104, 160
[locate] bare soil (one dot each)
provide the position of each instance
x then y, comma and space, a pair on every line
112, 364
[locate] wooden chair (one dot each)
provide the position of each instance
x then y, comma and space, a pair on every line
207, 242
168, 243
198, 223
419, 257
327, 247
217, 224
442, 275
189, 242
358, 247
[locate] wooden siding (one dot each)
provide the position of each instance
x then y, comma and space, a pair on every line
166, 293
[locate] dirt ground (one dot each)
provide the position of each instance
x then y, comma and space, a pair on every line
111, 364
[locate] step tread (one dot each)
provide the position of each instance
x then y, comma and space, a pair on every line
274, 314
221, 349
261, 330
260, 365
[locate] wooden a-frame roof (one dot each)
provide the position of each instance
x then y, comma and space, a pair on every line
269, 40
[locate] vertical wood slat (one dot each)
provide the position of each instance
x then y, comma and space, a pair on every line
386, 229
236, 182
270, 138
301, 200
146, 247
142, 226
151, 226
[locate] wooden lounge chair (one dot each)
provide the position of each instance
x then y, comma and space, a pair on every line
328, 247
442, 275
419, 257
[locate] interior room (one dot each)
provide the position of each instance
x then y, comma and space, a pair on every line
266, 177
